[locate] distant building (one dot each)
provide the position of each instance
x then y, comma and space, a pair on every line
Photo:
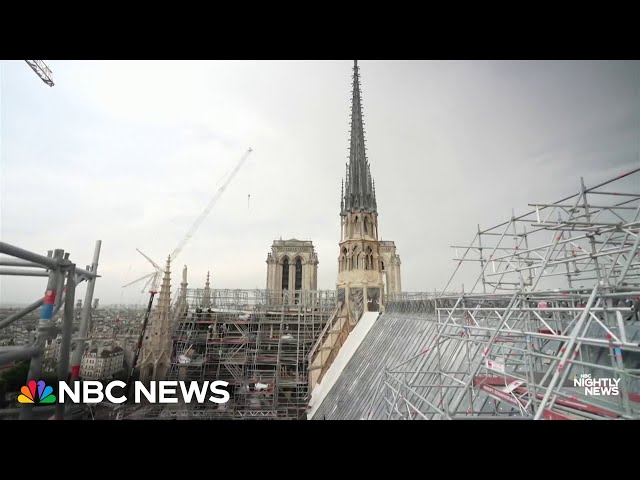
292, 265
100, 363
52, 353
390, 266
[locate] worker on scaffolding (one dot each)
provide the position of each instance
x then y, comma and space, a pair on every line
222, 329
634, 306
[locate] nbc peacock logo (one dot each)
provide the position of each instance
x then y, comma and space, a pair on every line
44, 393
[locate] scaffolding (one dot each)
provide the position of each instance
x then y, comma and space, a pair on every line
257, 340
550, 327
62, 279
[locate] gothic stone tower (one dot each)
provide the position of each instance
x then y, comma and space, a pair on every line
390, 264
361, 263
292, 265
156, 346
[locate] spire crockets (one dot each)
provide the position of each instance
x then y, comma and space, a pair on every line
206, 294
359, 194
164, 299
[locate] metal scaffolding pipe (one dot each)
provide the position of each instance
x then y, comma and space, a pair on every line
18, 252
35, 368
85, 315
22, 273
41, 260
13, 262
568, 350
60, 287
65, 346
21, 313
17, 355
629, 260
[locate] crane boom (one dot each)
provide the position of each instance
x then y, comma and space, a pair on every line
213, 201
155, 276
42, 70
155, 265
139, 279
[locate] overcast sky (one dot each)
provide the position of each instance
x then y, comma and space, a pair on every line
131, 152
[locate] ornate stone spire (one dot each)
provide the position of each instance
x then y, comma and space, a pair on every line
206, 294
164, 299
156, 346
183, 286
359, 194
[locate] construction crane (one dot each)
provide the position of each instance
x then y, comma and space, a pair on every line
42, 70
153, 278
152, 293
212, 202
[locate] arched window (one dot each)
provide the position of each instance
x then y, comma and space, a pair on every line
298, 284
285, 274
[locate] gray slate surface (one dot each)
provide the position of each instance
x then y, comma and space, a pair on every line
356, 394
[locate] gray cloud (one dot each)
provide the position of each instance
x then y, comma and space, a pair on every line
131, 152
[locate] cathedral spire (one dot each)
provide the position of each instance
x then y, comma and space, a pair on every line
206, 294
358, 194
